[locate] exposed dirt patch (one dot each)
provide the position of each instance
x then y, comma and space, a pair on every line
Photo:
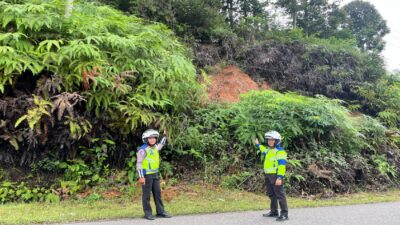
229, 83
170, 193
114, 193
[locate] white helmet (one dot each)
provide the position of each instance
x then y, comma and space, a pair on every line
273, 135
149, 133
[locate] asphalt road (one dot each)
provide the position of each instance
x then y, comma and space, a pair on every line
368, 214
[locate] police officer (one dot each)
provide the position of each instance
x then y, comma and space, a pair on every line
274, 168
147, 166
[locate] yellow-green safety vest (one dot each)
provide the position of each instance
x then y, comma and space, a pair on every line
151, 163
274, 160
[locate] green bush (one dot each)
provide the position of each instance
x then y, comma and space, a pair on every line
98, 66
20, 192
304, 122
89, 169
382, 99
235, 181
319, 134
384, 167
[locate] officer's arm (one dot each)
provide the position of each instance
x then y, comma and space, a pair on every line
261, 148
281, 157
141, 155
161, 144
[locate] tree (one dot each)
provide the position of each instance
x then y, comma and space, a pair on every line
367, 25
235, 10
291, 7
159, 11
315, 17
200, 19
251, 8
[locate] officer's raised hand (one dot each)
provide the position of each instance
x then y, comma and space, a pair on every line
256, 141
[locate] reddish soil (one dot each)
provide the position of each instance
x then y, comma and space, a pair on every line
228, 84
115, 193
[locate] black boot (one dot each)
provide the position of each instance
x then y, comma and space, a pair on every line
271, 214
282, 218
164, 215
149, 217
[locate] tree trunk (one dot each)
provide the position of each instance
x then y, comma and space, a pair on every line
294, 20
230, 11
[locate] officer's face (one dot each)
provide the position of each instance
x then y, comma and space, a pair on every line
152, 140
271, 142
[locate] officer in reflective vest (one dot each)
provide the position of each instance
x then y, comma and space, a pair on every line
147, 166
274, 168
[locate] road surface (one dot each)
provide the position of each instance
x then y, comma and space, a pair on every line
367, 214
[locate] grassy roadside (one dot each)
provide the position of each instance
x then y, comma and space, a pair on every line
190, 200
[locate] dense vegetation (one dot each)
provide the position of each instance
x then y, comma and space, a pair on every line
77, 91
329, 148
69, 82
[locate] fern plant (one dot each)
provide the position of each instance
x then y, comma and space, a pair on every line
384, 167
127, 71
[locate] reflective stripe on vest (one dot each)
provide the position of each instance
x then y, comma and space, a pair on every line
271, 170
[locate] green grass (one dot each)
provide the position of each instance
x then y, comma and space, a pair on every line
187, 200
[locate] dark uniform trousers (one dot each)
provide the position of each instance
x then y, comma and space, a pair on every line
152, 185
276, 194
